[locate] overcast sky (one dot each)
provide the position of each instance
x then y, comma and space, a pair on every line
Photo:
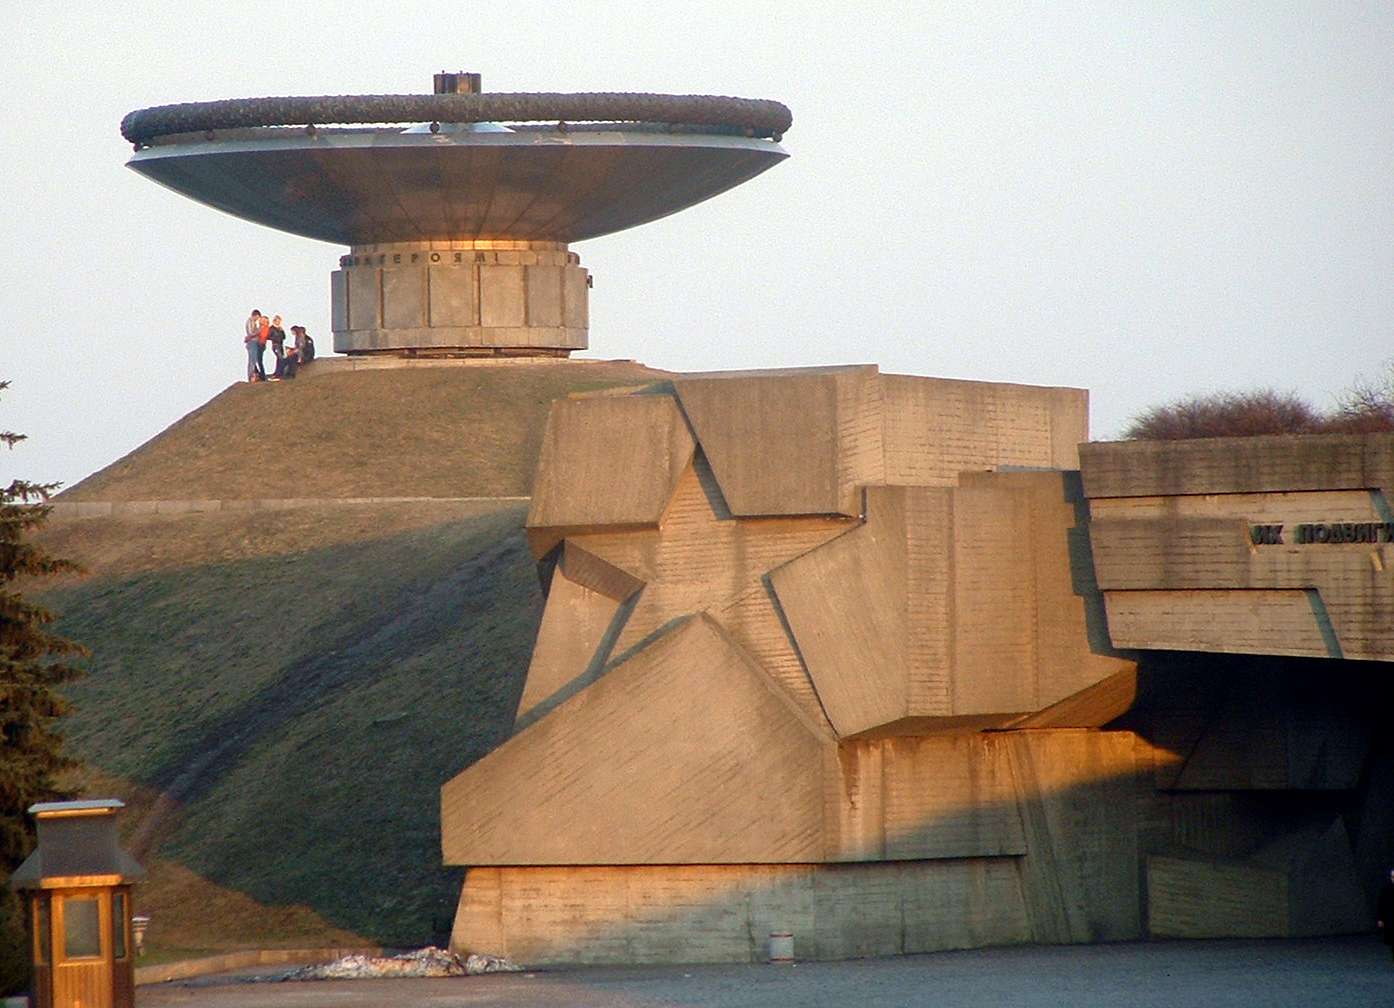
1147, 200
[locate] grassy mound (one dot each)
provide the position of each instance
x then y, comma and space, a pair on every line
428, 432
280, 693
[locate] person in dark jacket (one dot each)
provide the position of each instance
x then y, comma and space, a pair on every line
277, 337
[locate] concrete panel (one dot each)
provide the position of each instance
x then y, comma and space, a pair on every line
1162, 553
936, 428
929, 600
1005, 617
404, 298
1234, 622
788, 442
1092, 707
338, 302
452, 301
971, 810
962, 904
1301, 884
576, 298
1270, 729
1072, 648
1286, 507
606, 461
756, 623
725, 913
861, 454
1211, 899
1069, 426
1238, 465
479, 915
994, 602
544, 295
1242, 747
1078, 791
1228, 825
845, 603
1330, 731
1075, 879
1334, 546
502, 296
1324, 892
364, 298
596, 574
628, 772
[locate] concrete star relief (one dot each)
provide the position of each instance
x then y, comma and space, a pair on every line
701, 559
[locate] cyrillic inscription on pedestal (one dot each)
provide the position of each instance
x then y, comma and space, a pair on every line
504, 297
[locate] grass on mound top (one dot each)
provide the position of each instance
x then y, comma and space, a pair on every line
460, 431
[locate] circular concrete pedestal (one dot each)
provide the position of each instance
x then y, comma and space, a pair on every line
460, 298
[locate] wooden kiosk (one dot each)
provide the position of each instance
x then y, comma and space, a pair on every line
78, 892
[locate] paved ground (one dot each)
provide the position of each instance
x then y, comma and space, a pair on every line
1317, 973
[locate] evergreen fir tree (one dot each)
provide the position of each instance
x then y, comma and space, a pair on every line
33, 664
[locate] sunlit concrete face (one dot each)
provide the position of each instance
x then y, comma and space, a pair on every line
833, 652
458, 237
780, 607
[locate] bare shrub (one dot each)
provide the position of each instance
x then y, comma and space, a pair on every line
1226, 414
1367, 406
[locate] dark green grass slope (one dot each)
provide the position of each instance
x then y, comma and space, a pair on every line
302, 705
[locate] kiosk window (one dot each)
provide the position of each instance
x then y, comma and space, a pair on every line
118, 925
82, 937
41, 930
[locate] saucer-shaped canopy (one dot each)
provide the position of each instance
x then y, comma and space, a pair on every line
439, 180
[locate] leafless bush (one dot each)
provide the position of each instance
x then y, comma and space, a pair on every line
1226, 414
1366, 406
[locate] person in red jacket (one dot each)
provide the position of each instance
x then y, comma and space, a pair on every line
263, 334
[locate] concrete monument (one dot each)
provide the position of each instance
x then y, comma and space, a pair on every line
459, 218
882, 663
839, 654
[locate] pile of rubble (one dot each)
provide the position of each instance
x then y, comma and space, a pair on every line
427, 962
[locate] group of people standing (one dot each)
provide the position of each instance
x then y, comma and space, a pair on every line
263, 329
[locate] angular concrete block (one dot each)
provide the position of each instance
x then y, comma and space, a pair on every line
792, 442
845, 602
1235, 622
608, 461
626, 772
572, 643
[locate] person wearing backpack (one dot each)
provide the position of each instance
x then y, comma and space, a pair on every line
302, 351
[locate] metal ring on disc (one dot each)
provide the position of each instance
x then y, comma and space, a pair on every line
754, 116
